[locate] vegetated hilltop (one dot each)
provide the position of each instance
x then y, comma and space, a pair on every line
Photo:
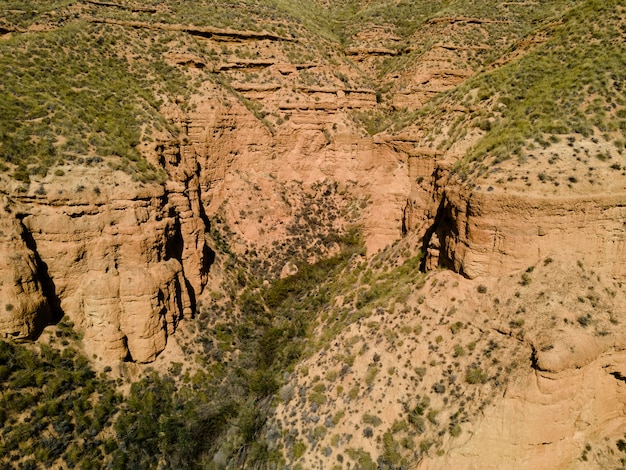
315, 234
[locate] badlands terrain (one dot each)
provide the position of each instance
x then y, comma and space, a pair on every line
325, 234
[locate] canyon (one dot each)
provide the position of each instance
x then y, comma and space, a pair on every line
282, 146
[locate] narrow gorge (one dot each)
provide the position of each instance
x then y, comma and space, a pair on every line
394, 234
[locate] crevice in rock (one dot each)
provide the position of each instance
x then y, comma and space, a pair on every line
179, 305
203, 216
619, 376
208, 258
438, 229
208, 255
534, 360
174, 244
192, 297
174, 250
129, 356
404, 228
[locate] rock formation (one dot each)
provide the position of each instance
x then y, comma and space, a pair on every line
285, 140
25, 310
112, 254
488, 233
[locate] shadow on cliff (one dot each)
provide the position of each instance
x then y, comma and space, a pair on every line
174, 249
435, 237
53, 314
208, 256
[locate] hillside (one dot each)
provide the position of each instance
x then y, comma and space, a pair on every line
321, 234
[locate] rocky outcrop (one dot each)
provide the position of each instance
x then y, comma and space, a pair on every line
111, 257
25, 309
184, 195
217, 34
114, 255
484, 232
552, 417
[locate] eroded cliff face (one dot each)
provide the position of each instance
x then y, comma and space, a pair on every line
25, 310
126, 260
123, 260
258, 178
271, 149
554, 204
489, 234
267, 145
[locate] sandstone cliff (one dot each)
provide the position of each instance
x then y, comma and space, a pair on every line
488, 299
26, 309
112, 256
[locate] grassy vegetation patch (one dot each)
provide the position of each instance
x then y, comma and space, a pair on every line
53, 408
72, 93
571, 84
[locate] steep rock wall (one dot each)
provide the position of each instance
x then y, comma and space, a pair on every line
246, 167
111, 254
111, 260
25, 309
489, 233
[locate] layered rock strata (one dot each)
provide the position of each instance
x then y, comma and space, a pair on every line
25, 309
484, 232
114, 255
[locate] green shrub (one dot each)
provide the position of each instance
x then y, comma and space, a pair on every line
298, 450
475, 375
371, 419
458, 351
455, 430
